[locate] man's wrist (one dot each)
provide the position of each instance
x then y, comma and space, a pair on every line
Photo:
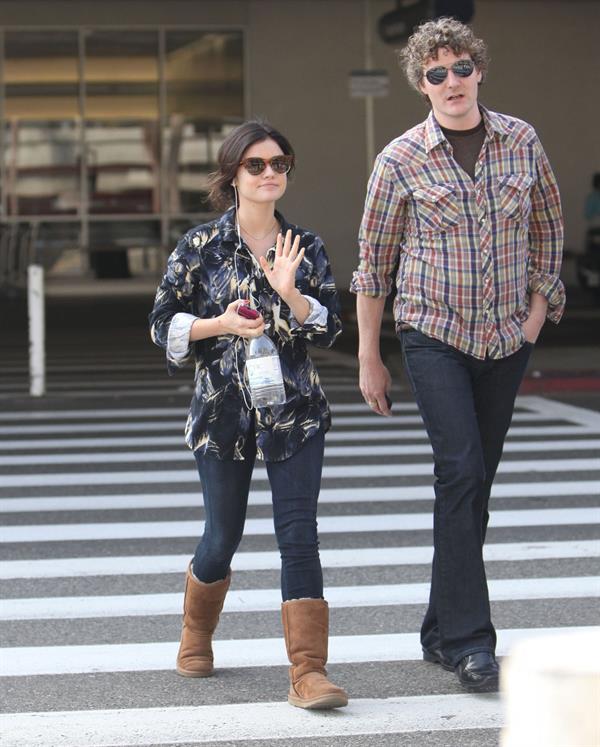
538, 306
369, 356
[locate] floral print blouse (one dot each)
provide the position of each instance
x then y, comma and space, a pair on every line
209, 268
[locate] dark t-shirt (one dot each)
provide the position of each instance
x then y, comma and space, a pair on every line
466, 145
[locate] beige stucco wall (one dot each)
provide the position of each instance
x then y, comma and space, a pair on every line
545, 69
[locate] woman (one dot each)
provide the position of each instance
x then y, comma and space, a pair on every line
252, 256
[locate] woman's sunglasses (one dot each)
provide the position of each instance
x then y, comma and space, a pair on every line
462, 68
279, 164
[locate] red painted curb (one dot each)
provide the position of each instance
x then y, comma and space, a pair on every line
561, 384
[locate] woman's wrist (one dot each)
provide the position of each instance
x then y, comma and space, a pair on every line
299, 306
292, 297
202, 329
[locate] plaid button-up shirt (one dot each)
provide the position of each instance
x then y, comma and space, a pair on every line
467, 252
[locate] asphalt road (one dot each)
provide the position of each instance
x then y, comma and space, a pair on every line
101, 510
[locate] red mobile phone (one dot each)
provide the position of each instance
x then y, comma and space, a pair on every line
247, 312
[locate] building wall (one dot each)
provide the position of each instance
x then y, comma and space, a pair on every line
545, 69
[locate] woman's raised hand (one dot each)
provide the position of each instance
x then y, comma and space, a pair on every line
233, 324
282, 276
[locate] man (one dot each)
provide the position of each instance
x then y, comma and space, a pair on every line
465, 208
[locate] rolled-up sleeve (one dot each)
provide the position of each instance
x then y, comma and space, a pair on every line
174, 300
179, 350
380, 234
317, 316
546, 240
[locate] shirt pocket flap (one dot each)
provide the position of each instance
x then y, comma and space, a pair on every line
514, 196
435, 208
517, 181
433, 192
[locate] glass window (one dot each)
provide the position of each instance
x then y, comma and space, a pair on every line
122, 122
204, 84
117, 162
41, 137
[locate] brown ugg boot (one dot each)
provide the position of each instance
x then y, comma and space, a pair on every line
306, 630
202, 605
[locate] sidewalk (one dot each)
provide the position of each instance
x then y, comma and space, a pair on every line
566, 359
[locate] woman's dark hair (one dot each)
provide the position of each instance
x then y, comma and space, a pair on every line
231, 152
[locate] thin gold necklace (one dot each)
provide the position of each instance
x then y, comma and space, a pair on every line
259, 238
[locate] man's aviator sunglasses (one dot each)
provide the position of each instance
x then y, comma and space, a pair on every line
462, 68
279, 164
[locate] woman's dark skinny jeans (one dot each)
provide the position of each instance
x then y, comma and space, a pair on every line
295, 484
467, 406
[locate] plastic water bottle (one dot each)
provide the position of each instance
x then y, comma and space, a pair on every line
264, 373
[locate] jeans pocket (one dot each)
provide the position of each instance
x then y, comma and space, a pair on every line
412, 338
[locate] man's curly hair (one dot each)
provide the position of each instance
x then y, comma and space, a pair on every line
431, 36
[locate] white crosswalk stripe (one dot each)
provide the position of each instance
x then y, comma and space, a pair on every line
268, 721
332, 471
263, 497
104, 617
262, 600
135, 457
261, 561
356, 434
327, 524
176, 425
235, 654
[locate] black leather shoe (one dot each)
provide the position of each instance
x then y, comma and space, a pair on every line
478, 673
435, 656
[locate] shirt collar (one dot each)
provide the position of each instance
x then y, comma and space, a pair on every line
494, 124
228, 230
434, 135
